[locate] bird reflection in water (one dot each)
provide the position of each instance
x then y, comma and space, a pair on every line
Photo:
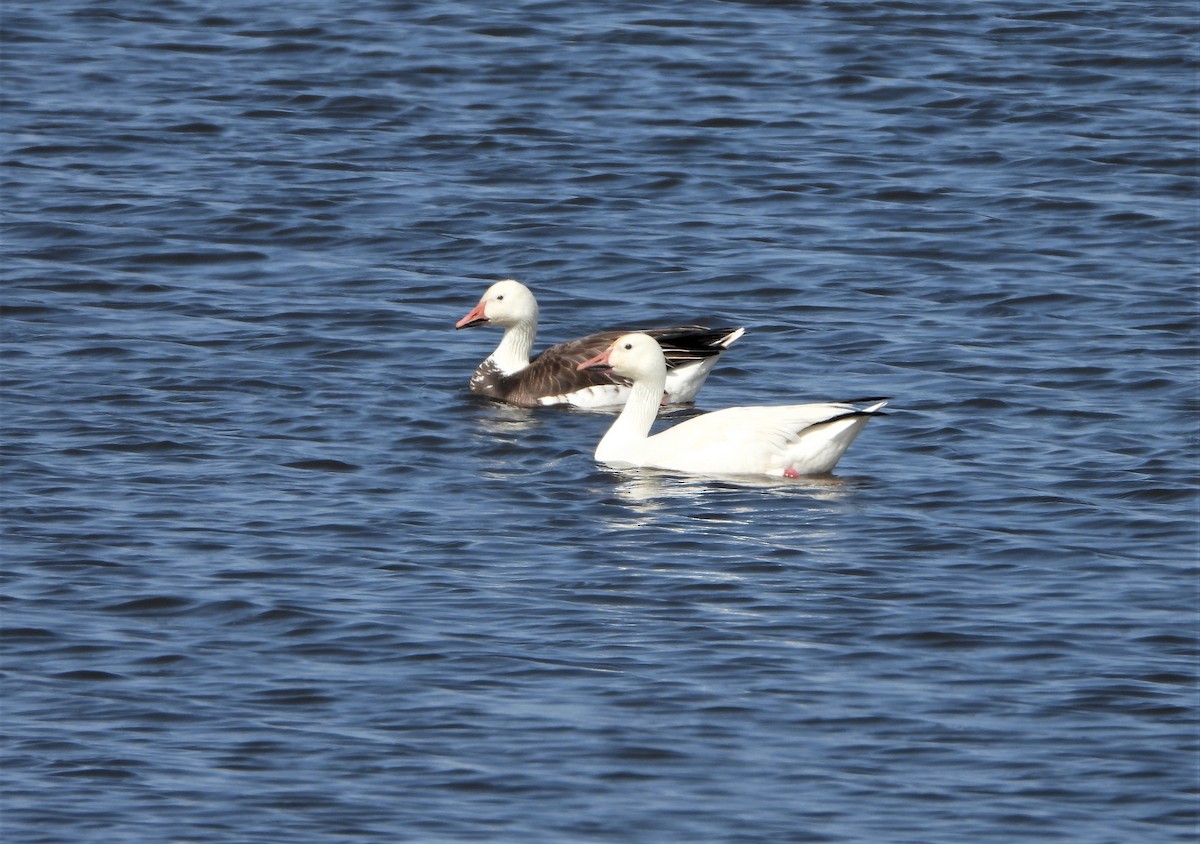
502, 420
654, 489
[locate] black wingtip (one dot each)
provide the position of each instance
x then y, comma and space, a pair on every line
849, 414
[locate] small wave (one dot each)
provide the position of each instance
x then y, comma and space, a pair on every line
323, 465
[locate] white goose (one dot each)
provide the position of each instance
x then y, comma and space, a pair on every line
554, 376
782, 441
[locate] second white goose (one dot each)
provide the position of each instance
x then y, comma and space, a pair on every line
781, 441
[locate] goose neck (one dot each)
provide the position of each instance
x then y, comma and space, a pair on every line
512, 355
636, 418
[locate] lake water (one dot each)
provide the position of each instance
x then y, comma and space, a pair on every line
271, 574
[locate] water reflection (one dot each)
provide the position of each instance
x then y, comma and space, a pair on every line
504, 420
735, 518
653, 489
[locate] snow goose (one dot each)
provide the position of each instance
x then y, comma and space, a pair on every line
555, 377
784, 440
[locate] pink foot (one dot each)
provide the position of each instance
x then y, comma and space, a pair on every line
789, 472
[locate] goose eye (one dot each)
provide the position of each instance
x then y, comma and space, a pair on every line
500, 298
629, 345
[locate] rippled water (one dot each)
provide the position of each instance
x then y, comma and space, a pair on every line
270, 574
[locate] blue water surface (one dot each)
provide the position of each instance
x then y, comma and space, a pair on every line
271, 574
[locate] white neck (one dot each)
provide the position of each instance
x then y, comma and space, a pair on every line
512, 355
632, 427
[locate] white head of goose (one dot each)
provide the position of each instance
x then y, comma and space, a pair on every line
781, 441
554, 377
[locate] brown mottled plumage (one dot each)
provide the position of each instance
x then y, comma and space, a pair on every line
555, 371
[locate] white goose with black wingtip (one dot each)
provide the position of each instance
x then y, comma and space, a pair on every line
554, 377
779, 441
